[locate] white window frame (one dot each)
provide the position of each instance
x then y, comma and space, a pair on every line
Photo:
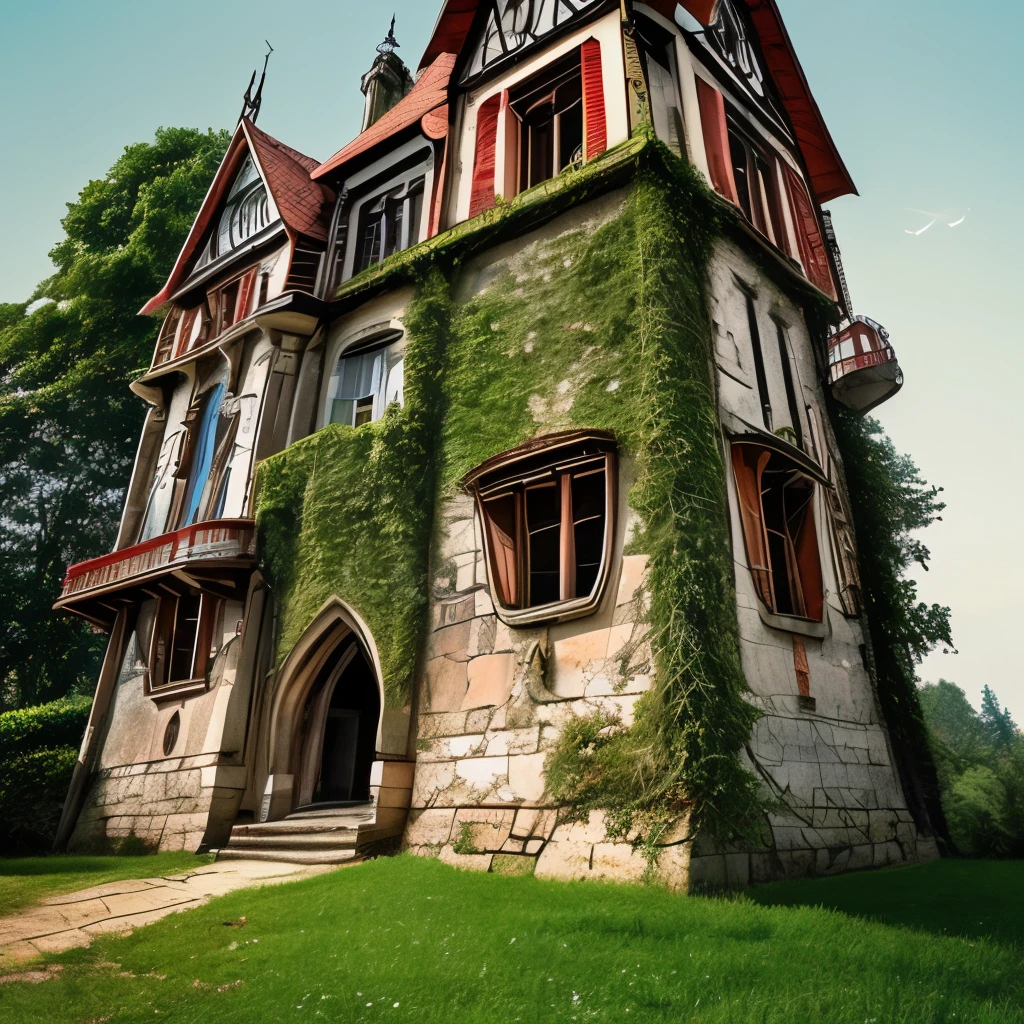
362, 342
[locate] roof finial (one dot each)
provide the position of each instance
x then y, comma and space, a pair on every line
390, 44
251, 104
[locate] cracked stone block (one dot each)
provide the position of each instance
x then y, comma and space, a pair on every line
446, 684
514, 846
451, 640
526, 777
882, 828
430, 781
616, 862
485, 829
514, 741
886, 854
466, 861
631, 578
491, 677
566, 856
576, 660
458, 747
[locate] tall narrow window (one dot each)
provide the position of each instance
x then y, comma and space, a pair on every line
365, 383
754, 171
787, 377
666, 106
183, 640
207, 425
550, 111
764, 396
547, 514
389, 223
777, 500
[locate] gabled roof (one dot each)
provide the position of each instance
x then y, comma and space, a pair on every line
829, 176
285, 171
428, 94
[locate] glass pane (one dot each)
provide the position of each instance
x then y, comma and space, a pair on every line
186, 629
371, 243
739, 169
589, 548
570, 136
343, 410
246, 176
359, 376
588, 496
394, 215
543, 507
203, 446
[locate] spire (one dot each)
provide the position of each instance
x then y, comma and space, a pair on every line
251, 104
387, 81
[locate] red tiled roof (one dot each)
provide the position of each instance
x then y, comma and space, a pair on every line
829, 176
286, 171
429, 93
300, 201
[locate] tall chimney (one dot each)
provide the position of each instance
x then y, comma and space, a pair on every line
387, 82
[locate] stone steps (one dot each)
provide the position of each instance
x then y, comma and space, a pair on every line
329, 835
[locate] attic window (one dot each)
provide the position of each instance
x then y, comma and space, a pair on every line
246, 213
777, 500
547, 511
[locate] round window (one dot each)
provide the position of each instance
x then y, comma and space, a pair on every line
171, 733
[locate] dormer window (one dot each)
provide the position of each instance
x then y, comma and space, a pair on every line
366, 380
547, 511
550, 113
246, 213
389, 223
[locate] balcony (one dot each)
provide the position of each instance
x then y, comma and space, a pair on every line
862, 366
216, 557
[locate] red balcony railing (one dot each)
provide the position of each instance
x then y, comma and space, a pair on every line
862, 365
224, 539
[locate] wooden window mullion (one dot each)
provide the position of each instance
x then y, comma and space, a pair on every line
567, 552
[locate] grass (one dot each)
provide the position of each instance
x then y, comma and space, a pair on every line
28, 880
413, 940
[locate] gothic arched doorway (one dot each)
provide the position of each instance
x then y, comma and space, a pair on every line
339, 724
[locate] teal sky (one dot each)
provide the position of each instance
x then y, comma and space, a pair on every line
922, 96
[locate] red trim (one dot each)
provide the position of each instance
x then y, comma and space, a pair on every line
245, 290
829, 176
439, 183
813, 254
594, 116
482, 196
179, 544
716, 140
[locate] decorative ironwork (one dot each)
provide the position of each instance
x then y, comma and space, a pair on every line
251, 104
514, 25
390, 44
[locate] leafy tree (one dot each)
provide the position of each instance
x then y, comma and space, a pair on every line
68, 423
953, 719
997, 723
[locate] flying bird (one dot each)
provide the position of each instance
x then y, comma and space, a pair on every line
925, 228
935, 218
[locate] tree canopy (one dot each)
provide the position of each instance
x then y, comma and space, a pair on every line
69, 425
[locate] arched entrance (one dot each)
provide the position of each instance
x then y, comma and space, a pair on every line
338, 729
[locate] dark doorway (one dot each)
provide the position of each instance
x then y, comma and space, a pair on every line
341, 730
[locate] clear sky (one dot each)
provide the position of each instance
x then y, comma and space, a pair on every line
924, 98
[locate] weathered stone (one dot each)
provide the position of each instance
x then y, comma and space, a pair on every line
490, 681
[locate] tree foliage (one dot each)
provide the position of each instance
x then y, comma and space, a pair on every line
68, 423
980, 759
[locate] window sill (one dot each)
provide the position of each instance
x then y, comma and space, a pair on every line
177, 691
792, 624
547, 614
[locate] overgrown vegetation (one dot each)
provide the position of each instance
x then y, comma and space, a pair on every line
348, 511
891, 504
407, 939
980, 762
38, 750
69, 426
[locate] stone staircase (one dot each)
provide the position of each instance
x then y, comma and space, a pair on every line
315, 835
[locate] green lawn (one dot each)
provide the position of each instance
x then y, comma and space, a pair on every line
28, 880
411, 940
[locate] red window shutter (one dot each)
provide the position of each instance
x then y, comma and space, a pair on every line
482, 197
595, 120
188, 322
245, 290
716, 140
808, 233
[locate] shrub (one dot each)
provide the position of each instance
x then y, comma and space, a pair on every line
38, 751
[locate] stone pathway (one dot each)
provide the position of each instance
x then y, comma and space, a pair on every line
74, 919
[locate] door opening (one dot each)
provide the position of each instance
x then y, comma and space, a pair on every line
341, 720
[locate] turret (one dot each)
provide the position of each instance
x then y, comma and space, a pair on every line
386, 83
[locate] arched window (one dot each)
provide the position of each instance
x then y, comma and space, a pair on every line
367, 378
246, 213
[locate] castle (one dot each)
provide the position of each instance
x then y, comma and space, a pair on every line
476, 447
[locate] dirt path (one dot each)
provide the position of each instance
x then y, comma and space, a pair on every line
74, 919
